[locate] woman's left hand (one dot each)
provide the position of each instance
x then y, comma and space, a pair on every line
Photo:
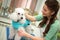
37, 38
21, 33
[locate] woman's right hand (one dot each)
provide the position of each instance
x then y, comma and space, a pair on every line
29, 17
26, 12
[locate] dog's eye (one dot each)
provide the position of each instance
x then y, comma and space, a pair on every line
22, 14
18, 13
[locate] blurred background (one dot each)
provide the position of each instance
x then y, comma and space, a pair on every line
8, 6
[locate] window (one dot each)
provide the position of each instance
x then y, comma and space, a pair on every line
8, 6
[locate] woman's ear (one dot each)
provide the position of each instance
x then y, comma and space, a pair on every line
52, 13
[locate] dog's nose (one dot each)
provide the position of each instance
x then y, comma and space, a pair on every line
18, 13
21, 17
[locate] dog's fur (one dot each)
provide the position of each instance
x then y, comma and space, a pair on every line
18, 18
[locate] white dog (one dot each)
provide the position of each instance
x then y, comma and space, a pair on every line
19, 22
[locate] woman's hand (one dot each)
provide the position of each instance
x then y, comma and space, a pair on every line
37, 38
21, 33
26, 12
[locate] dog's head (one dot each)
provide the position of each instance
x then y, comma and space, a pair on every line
18, 15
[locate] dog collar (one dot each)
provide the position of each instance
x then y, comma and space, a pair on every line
16, 25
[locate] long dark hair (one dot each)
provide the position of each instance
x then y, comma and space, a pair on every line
53, 5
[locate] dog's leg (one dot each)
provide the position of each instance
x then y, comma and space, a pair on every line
12, 33
29, 29
17, 37
21, 28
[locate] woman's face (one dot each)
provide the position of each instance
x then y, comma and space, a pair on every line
46, 12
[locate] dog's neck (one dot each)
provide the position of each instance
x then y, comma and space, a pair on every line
22, 21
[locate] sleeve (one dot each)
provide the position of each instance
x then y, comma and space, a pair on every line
53, 30
39, 17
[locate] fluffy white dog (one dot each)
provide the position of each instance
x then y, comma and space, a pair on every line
19, 22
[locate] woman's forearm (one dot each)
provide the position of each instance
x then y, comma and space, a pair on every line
29, 36
33, 37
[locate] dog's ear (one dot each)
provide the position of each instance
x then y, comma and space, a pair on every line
9, 15
28, 11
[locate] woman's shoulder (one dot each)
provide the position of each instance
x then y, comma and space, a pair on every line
56, 24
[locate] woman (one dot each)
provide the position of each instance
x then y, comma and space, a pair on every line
49, 21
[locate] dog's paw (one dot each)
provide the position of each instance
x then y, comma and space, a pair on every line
21, 28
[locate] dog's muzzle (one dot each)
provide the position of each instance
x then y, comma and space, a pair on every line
21, 17
18, 20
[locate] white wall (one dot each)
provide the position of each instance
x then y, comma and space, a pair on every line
58, 11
